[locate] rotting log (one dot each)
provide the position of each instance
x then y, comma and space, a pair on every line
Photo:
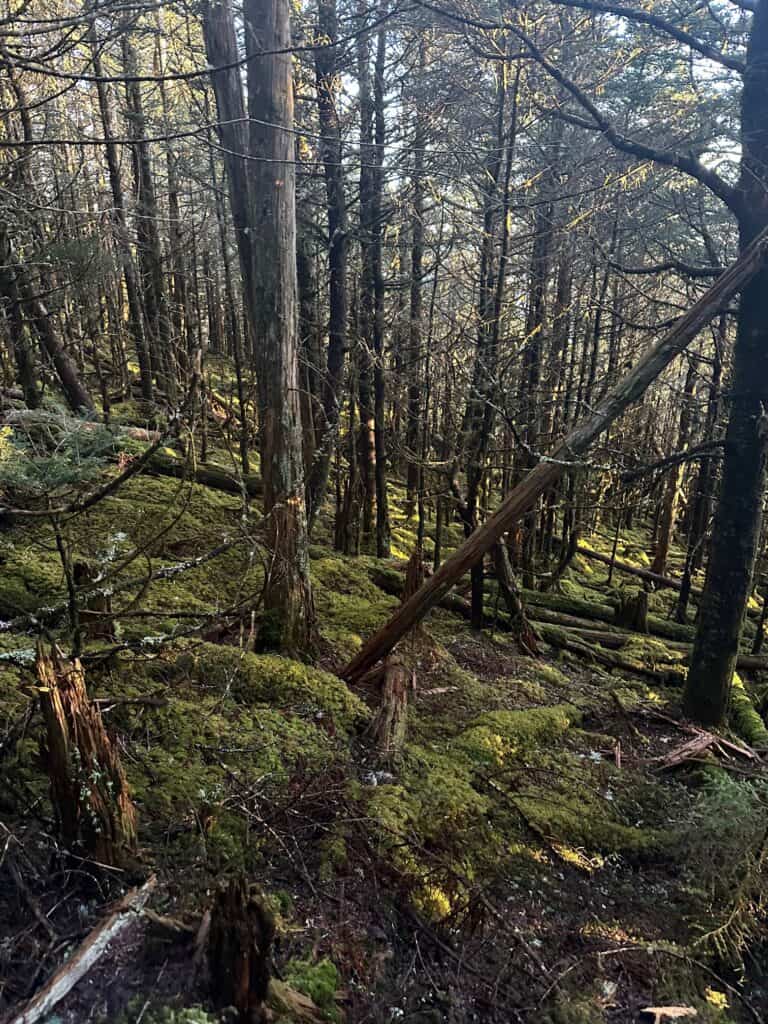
657, 626
35, 421
660, 582
89, 953
241, 935
671, 676
215, 477
159, 464
548, 471
615, 640
89, 790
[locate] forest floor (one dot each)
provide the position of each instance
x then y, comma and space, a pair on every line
534, 854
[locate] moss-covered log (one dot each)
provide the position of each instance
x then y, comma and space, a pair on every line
215, 477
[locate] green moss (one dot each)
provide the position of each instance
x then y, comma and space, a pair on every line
744, 717
573, 1008
164, 1014
319, 981
349, 605
498, 735
274, 680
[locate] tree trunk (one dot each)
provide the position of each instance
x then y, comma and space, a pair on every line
736, 530
327, 77
240, 942
289, 611
122, 240
147, 234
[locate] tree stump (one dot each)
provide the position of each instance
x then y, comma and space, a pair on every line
632, 611
390, 721
89, 790
241, 936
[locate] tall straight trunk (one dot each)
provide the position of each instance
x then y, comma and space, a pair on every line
415, 327
11, 304
327, 78
311, 361
736, 529
671, 495
383, 531
135, 308
289, 612
704, 486
479, 414
182, 335
372, 396
535, 328
147, 234
232, 312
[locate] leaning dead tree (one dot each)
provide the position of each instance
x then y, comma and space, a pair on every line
550, 468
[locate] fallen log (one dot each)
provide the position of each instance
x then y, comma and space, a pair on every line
660, 582
617, 640
91, 950
38, 420
610, 659
207, 476
159, 464
602, 613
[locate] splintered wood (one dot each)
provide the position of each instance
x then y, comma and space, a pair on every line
700, 744
89, 790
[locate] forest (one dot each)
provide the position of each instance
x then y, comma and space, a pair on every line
383, 545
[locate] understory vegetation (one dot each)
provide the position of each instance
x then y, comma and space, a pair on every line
529, 842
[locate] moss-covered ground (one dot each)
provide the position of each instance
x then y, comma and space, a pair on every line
523, 858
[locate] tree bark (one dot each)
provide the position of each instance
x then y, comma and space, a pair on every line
736, 529
289, 609
327, 77
88, 785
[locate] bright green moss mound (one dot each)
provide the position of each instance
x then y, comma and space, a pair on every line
744, 717
508, 785
319, 981
233, 726
271, 679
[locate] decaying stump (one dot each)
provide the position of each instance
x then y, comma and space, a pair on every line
415, 573
89, 790
240, 940
389, 723
632, 611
